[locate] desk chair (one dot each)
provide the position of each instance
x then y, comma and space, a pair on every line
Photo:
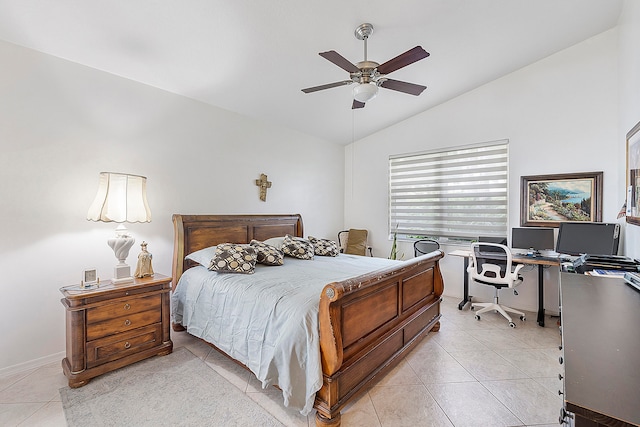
483, 271
424, 246
354, 241
499, 240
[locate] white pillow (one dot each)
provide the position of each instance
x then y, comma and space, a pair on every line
275, 241
203, 256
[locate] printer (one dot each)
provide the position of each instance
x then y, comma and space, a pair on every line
588, 262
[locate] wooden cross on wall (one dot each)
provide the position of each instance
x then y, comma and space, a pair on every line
263, 184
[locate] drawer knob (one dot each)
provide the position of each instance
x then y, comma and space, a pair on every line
127, 345
127, 322
127, 306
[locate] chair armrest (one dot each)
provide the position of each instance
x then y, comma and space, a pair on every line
516, 270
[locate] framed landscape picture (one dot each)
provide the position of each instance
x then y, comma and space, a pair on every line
548, 200
633, 175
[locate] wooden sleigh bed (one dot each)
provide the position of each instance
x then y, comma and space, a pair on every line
367, 323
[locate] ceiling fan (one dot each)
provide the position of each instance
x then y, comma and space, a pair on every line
370, 75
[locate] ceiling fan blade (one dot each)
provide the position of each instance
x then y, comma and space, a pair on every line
340, 61
327, 86
410, 88
357, 104
402, 60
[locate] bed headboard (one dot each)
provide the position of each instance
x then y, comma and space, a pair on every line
194, 232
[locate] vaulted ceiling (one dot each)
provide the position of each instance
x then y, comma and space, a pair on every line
254, 57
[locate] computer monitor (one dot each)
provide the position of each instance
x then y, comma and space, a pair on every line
492, 239
594, 238
532, 239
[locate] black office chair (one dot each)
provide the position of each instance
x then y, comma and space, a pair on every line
424, 246
483, 271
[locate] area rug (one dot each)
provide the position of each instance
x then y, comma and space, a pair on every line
174, 390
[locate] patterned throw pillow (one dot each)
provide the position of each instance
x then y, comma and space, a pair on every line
234, 258
267, 254
324, 247
297, 247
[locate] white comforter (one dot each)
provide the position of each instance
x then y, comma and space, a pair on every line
268, 320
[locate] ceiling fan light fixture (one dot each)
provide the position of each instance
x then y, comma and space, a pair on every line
369, 75
365, 92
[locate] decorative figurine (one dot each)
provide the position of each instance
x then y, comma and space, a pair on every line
144, 268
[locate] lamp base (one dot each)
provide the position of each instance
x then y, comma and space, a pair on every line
121, 245
121, 274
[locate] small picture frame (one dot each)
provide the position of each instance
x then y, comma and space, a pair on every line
90, 277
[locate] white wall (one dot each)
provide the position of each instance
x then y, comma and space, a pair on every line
559, 115
629, 92
62, 123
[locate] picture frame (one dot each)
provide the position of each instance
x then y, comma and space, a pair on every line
548, 200
90, 276
633, 175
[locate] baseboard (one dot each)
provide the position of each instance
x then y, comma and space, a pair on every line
32, 364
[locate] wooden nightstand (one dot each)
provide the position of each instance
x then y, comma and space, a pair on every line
112, 326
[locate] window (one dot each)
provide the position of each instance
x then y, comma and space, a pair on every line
457, 193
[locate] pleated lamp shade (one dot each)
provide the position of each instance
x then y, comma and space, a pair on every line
120, 198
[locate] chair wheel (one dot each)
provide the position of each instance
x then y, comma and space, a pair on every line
473, 307
523, 318
513, 325
477, 317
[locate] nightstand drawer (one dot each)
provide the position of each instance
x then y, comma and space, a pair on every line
117, 346
123, 308
123, 323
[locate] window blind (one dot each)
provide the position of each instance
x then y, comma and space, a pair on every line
455, 193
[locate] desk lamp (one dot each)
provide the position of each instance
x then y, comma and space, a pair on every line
121, 198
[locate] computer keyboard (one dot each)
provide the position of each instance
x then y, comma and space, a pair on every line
539, 257
548, 258
489, 254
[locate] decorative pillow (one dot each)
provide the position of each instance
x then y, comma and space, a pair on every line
276, 242
297, 247
267, 254
203, 256
324, 247
357, 242
234, 258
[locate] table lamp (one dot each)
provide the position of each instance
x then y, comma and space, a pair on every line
121, 198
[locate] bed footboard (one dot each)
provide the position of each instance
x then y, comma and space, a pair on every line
368, 323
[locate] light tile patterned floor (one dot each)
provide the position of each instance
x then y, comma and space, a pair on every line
470, 373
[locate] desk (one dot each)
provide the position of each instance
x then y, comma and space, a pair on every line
600, 345
539, 261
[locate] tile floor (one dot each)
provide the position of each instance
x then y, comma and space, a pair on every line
470, 373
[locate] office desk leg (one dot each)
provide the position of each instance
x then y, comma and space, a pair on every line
540, 295
466, 297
